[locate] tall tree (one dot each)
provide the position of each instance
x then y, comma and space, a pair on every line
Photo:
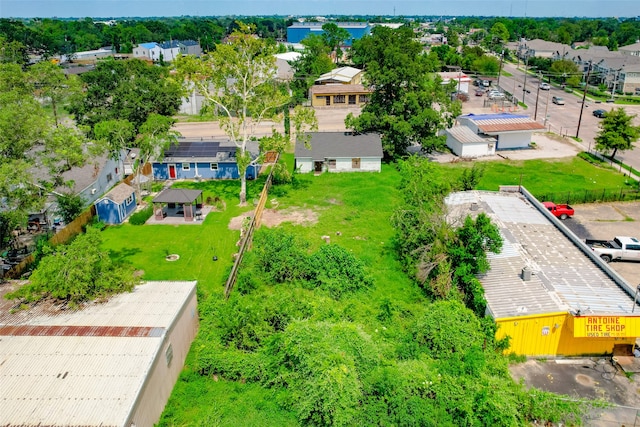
617, 132
129, 90
53, 85
237, 80
334, 36
408, 104
313, 62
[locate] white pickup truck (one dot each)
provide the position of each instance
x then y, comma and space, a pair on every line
621, 248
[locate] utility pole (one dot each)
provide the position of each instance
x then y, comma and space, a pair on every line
615, 82
584, 96
535, 114
524, 86
546, 107
500, 68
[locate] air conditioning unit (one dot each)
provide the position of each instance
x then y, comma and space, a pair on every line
94, 190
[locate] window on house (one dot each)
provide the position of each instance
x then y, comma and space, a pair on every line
352, 100
355, 163
213, 166
332, 163
109, 177
129, 200
186, 166
364, 99
338, 99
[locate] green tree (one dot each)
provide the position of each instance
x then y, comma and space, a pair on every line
498, 36
69, 206
334, 36
52, 84
126, 90
76, 273
565, 70
237, 80
313, 62
408, 105
155, 137
617, 132
115, 135
487, 65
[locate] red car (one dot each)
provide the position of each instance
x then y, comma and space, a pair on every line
559, 211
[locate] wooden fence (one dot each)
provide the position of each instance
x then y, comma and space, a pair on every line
247, 235
71, 230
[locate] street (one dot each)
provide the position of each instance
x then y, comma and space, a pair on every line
564, 119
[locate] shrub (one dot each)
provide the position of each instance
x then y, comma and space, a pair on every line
336, 270
141, 217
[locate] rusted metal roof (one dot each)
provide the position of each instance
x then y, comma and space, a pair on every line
488, 126
79, 331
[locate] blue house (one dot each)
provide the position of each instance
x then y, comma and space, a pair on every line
115, 206
297, 31
203, 159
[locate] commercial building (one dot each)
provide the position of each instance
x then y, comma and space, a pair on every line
549, 292
297, 31
107, 364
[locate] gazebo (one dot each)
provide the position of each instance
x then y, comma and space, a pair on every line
178, 201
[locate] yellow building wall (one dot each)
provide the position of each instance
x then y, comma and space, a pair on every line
553, 334
320, 100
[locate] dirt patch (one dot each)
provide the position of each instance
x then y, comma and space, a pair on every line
275, 217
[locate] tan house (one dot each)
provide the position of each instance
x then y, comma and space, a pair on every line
342, 75
339, 95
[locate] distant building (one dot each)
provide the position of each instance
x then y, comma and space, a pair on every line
338, 95
342, 75
632, 49
339, 152
298, 31
167, 51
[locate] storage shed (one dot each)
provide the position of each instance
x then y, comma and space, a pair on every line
117, 204
546, 289
107, 364
463, 142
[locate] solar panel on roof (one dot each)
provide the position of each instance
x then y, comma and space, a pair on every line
194, 149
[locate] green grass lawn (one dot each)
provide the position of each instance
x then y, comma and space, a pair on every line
545, 177
354, 211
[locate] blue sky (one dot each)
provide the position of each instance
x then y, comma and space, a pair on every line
144, 8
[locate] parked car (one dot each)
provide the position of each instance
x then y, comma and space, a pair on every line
545, 86
619, 249
601, 114
479, 92
486, 83
495, 94
559, 211
558, 100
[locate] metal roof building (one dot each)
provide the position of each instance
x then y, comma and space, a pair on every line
108, 364
546, 289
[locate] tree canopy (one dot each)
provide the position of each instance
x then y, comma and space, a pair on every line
126, 90
617, 132
408, 104
237, 81
76, 273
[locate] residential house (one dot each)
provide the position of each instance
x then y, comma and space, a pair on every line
115, 206
510, 131
339, 152
342, 75
540, 48
196, 158
297, 31
631, 49
284, 71
167, 51
339, 95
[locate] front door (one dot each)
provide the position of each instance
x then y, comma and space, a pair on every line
317, 166
172, 171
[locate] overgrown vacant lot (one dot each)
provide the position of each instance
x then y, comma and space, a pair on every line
296, 352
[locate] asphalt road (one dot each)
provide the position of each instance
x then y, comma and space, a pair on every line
564, 119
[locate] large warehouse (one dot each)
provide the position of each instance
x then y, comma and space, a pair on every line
546, 289
298, 31
109, 364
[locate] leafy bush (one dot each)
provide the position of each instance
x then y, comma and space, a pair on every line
336, 270
141, 217
280, 255
77, 272
69, 206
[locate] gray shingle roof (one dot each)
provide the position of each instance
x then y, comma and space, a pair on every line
340, 144
120, 193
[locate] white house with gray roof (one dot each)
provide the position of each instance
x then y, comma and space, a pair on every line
339, 152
